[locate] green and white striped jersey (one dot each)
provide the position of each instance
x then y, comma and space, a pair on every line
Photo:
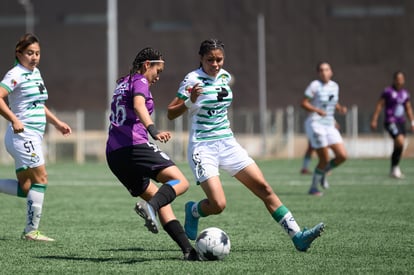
27, 96
208, 115
323, 96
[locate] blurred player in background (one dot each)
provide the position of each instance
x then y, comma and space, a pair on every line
395, 100
24, 88
134, 160
206, 95
307, 159
321, 101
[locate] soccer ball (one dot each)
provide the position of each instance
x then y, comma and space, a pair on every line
212, 244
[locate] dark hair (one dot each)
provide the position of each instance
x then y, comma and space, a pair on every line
319, 64
396, 73
25, 41
209, 45
145, 54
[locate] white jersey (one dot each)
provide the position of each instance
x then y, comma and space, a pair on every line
208, 115
323, 96
27, 96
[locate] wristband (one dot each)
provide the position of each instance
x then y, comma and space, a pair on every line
152, 131
412, 122
188, 103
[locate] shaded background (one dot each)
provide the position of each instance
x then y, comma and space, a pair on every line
364, 40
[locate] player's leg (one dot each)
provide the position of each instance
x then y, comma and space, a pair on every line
253, 179
214, 204
396, 156
203, 160
319, 172
307, 159
33, 182
174, 183
176, 232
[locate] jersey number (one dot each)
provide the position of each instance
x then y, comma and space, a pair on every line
29, 146
118, 116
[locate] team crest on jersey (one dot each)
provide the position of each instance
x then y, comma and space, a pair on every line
224, 78
13, 83
34, 158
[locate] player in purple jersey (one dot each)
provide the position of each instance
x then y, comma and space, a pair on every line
396, 103
134, 160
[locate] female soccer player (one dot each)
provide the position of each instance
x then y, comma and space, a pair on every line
24, 87
206, 94
321, 101
134, 160
396, 103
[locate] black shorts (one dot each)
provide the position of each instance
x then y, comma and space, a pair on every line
395, 129
134, 166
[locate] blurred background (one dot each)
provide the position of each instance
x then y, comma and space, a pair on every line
272, 48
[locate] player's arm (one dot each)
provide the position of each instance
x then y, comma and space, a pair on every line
145, 118
59, 125
341, 109
378, 107
307, 105
409, 111
5, 111
177, 107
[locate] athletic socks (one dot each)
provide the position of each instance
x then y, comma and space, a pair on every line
283, 216
11, 187
331, 165
165, 195
396, 156
176, 232
317, 178
35, 198
306, 161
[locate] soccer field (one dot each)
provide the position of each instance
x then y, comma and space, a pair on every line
368, 216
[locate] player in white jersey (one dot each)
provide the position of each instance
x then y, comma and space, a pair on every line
206, 94
321, 101
23, 86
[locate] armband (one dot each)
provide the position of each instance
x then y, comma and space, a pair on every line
152, 131
188, 103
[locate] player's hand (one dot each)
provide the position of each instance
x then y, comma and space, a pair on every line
320, 112
18, 126
196, 91
163, 136
343, 110
63, 128
374, 125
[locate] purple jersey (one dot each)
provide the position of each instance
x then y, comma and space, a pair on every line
395, 101
126, 129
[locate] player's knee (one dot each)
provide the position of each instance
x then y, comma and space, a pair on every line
218, 207
41, 178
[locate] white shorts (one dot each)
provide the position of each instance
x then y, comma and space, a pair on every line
207, 157
321, 136
25, 148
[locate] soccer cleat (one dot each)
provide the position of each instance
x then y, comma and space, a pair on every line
324, 183
305, 171
396, 173
315, 192
191, 255
303, 239
146, 211
35, 235
191, 223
